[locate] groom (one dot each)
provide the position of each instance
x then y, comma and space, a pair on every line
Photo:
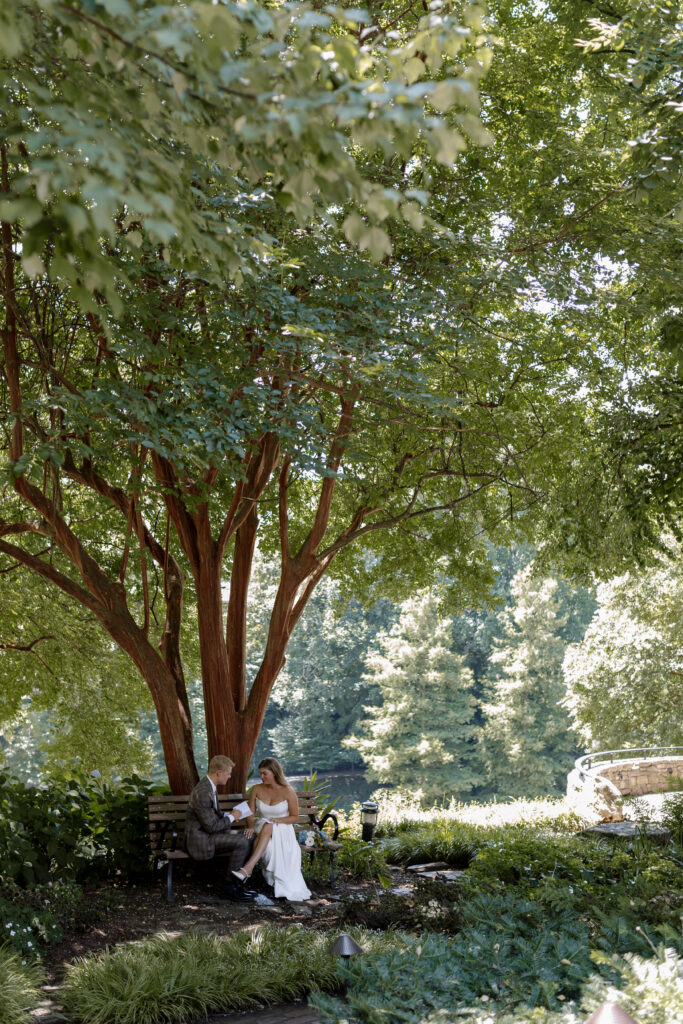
208, 829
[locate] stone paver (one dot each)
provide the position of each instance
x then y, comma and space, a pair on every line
288, 1014
292, 1013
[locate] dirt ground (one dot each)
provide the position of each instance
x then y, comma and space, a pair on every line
132, 912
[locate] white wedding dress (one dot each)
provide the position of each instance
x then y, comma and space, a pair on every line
281, 859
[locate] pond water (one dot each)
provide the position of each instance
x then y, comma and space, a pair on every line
346, 787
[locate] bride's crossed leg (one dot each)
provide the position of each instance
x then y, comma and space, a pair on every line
260, 844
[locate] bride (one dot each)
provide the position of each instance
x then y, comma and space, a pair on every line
275, 805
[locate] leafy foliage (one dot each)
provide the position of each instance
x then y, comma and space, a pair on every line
537, 913
75, 829
625, 676
71, 701
438, 840
33, 918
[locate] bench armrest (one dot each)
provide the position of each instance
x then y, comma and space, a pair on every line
327, 817
174, 836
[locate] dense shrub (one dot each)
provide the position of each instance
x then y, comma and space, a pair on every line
75, 829
166, 978
19, 987
651, 990
439, 840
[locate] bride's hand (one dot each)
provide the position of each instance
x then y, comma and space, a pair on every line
249, 833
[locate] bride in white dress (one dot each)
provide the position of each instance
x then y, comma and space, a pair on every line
276, 808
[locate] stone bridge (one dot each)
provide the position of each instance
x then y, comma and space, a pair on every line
637, 771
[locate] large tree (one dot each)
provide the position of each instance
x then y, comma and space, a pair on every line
199, 349
625, 678
420, 738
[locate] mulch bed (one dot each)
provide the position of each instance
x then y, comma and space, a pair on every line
132, 912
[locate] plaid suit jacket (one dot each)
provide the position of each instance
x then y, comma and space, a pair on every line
203, 823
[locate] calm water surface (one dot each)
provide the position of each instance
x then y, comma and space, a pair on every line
346, 787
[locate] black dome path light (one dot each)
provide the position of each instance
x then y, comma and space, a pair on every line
345, 947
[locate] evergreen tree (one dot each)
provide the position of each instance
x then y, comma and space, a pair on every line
421, 738
528, 742
320, 694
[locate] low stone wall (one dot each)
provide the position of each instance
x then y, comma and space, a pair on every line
636, 778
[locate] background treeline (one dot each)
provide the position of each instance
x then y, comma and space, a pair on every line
494, 702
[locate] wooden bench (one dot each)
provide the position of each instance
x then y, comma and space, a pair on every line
167, 830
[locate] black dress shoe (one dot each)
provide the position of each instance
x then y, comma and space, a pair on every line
237, 893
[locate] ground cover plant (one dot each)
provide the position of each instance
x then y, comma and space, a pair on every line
541, 916
168, 978
19, 987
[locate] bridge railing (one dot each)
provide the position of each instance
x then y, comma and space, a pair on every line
586, 762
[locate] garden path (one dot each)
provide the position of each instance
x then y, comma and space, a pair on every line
298, 1013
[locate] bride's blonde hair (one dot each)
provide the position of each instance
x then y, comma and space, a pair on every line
276, 768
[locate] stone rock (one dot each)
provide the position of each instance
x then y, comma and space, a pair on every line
628, 830
437, 865
593, 795
301, 908
451, 876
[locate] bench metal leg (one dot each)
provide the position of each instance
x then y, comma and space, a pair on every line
169, 883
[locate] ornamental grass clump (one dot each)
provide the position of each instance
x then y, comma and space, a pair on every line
438, 840
19, 987
169, 978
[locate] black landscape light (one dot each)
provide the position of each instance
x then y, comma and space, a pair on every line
610, 1013
345, 947
368, 817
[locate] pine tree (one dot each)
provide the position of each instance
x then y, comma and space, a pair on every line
421, 738
528, 741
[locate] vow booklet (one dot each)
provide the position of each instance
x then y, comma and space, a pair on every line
244, 809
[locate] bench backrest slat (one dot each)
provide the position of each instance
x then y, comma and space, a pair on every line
168, 812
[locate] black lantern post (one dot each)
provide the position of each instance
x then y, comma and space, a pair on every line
368, 817
610, 1013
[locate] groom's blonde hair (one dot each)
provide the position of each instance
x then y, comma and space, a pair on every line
220, 763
